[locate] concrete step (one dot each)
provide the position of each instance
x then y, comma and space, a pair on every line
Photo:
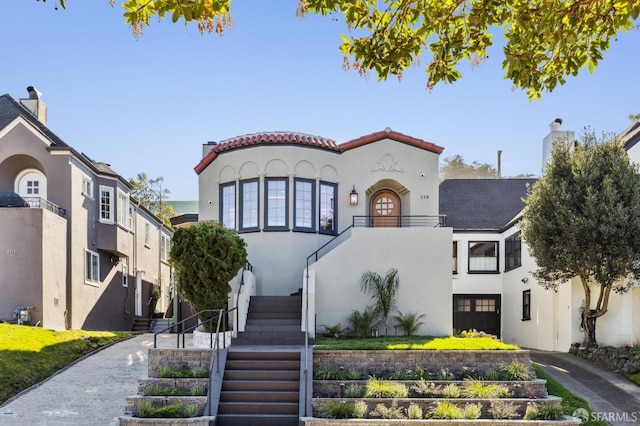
260, 385
274, 321
256, 420
264, 375
276, 300
260, 397
258, 408
273, 315
268, 327
264, 355
252, 364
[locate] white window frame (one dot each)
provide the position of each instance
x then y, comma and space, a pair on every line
87, 186
165, 247
92, 268
125, 272
106, 215
123, 209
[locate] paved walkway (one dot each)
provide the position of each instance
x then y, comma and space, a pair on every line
90, 392
612, 397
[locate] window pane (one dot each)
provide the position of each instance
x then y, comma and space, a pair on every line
483, 256
463, 305
249, 205
327, 207
304, 204
276, 203
228, 206
485, 305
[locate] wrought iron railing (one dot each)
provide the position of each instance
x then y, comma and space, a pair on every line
33, 202
433, 221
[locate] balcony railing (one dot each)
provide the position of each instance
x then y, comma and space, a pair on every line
33, 202
431, 221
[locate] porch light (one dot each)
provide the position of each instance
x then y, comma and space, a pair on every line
353, 197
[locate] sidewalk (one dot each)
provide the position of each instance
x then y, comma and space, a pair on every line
612, 397
89, 392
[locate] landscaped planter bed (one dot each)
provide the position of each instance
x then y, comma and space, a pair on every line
133, 402
312, 421
429, 403
383, 363
184, 385
532, 389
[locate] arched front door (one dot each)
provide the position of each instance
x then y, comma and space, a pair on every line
385, 209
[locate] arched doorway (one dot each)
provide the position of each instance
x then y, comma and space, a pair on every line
31, 183
385, 209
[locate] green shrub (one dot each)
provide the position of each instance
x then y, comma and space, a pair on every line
352, 375
360, 409
416, 374
503, 391
198, 389
414, 412
147, 410
478, 389
354, 391
424, 388
155, 389
180, 373
334, 331
543, 412
335, 409
445, 410
503, 410
363, 323
387, 413
377, 388
451, 391
409, 323
471, 411
492, 375
329, 373
516, 370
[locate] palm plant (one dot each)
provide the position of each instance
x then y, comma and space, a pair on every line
409, 323
362, 323
384, 291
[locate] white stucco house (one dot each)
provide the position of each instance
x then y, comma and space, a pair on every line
376, 203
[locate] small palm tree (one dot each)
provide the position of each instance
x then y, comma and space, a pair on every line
385, 290
409, 323
363, 323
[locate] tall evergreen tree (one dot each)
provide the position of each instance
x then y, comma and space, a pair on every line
582, 220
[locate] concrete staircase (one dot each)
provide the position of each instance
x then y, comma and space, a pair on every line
141, 325
260, 388
261, 381
272, 320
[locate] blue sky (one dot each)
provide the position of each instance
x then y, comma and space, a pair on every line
149, 104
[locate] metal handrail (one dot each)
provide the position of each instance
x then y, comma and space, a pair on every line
400, 221
247, 267
184, 331
306, 315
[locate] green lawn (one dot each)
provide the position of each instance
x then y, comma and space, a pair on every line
411, 342
30, 354
570, 402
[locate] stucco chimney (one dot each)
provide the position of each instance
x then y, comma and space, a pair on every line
555, 132
35, 105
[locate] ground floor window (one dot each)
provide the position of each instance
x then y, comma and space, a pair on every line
526, 305
92, 268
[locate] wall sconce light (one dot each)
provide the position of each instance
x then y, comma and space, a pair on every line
525, 280
353, 197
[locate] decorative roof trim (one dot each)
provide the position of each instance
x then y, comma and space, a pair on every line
301, 139
267, 138
391, 134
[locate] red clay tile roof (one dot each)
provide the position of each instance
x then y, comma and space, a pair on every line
290, 138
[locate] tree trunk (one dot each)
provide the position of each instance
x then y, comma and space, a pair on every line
589, 318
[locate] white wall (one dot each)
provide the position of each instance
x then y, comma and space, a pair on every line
423, 259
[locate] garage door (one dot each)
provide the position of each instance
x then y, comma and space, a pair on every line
478, 311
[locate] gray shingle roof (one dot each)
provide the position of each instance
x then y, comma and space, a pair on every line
10, 109
482, 204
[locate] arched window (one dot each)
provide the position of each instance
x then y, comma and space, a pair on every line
31, 183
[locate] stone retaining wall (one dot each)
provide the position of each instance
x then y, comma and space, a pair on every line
178, 358
194, 421
385, 362
620, 360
